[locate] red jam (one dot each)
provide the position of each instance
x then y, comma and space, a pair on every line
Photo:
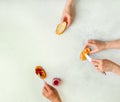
56, 81
38, 71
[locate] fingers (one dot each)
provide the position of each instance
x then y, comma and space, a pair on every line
91, 43
98, 65
96, 60
47, 89
44, 91
66, 19
47, 86
69, 19
88, 44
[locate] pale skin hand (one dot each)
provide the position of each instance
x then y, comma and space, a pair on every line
98, 45
105, 65
50, 93
67, 12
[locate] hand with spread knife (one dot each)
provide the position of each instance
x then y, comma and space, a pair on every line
104, 65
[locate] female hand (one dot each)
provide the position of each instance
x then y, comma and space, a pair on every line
50, 93
96, 45
103, 65
67, 15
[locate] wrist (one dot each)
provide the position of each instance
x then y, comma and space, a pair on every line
116, 68
107, 44
57, 100
111, 44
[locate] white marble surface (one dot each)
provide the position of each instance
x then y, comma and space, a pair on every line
27, 39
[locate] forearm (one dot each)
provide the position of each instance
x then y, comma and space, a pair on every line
69, 3
115, 44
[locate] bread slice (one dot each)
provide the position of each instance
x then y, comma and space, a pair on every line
40, 72
82, 54
61, 28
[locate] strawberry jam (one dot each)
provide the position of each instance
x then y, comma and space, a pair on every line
38, 71
56, 81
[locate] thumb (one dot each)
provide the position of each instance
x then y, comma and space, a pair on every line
62, 18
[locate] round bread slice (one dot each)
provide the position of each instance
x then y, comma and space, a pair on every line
40, 72
61, 28
82, 54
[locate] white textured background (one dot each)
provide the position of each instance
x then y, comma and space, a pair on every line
27, 39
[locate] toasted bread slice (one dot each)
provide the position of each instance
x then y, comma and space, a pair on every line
82, 54
61, 28
40, 72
